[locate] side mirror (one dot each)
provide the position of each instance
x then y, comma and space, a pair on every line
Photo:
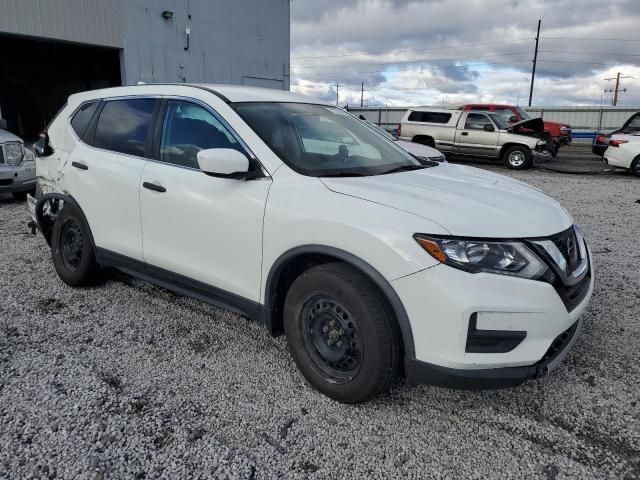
488, 127
3, 124
223, 162
513, 119
42, 147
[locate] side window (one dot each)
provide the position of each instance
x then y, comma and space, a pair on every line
429, 117
82, 117
476, 121
189, 128
123, 125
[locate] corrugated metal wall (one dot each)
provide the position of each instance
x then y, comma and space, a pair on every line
94, 22
240, 42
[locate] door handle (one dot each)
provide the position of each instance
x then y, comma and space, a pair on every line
79, 165
154, 187
465, 133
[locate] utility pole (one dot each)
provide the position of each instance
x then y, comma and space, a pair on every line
617, 89
535, 61
362, 95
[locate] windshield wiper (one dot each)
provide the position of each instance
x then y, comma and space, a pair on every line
405, 168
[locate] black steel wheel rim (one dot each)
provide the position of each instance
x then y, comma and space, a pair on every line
332, 339
71, 244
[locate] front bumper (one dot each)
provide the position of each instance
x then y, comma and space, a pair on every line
493, 378
440, 303
541, 156
21, 178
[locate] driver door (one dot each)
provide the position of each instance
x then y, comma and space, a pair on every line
473, 139
205, 228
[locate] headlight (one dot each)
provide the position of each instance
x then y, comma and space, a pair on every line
540, 143
505, 258
13, 152
439, 159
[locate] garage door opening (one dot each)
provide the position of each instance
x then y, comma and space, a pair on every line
37, 76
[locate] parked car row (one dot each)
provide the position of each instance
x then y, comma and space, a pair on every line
17, 165
478, 134
621, 148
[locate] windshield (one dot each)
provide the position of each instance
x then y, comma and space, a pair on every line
319, 140
501, 120
381, 131
523, 114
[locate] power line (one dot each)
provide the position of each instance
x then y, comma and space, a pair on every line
412, 51
594, 39
593, 53
407, 62
441, 67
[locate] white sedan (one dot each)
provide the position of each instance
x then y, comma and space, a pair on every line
419, 150
624, 152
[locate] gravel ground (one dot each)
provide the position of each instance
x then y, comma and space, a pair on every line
126, 380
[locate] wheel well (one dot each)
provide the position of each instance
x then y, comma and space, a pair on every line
507, 146
424, 140
292, 264
278, 287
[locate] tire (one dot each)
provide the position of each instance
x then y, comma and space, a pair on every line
341, 333
428, 141
517, 158
72, 249
634, 168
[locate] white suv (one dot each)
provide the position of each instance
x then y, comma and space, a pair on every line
292, 212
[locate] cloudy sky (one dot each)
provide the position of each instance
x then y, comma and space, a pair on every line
410, 52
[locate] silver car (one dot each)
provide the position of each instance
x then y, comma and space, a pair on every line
17, 165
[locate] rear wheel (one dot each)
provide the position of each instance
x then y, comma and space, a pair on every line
635, 166
428, 141
518, 158
341, 333
73, 255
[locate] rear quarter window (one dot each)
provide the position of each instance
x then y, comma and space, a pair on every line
82, 117
429, 117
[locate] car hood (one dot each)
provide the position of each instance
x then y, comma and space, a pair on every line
418, 149
534, 124
557, 124
465, 201
8, 137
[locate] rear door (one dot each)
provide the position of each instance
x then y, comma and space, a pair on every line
204, 228
473, 139
103, 171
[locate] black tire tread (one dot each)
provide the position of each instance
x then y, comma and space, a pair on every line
385, 323
86, 273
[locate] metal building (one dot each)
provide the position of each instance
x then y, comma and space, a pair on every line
53, 48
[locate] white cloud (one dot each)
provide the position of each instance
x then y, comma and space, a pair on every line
395, 47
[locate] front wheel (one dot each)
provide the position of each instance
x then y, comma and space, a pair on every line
518, 158
341, 333
72, 249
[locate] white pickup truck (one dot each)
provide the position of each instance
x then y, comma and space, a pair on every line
478, 134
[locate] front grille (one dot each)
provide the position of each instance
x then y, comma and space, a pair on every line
573, 295
567, 243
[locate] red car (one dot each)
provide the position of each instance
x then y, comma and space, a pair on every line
560, 132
